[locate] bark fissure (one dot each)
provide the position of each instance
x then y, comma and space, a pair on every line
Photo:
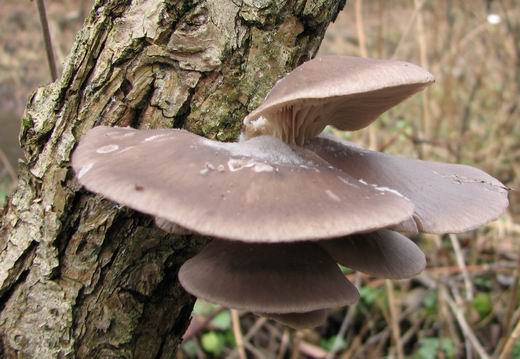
79, 275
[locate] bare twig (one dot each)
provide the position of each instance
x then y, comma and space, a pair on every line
510, 309
514, 296
459, 45
312, 351
9, 168
297, 341
423, 55
466, 329
199, 324
394, 318
47, 39
510, 342
284, 344
255, 328
360, 28
260, 322
407, 30
356, 343
235, 319
344, 325
462, 265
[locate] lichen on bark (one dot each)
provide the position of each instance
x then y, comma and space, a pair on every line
79, 275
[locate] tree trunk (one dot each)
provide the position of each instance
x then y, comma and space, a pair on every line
79, 275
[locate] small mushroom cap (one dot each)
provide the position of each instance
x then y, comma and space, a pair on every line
267, 278
346, 92
383, 253
448, 198
299, 320
260, 190
407, 227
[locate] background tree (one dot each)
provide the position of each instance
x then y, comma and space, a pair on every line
80, 276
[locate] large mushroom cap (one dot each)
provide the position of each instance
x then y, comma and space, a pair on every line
448, 198
260, 190
299, 320
267, 278
346, 92
382, 253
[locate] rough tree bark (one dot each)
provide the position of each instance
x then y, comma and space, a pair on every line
79, 275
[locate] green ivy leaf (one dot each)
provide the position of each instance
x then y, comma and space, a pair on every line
431, 347
483, 304
222, 321
213, 343
328, 343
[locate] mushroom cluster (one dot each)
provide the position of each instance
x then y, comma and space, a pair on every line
287, 203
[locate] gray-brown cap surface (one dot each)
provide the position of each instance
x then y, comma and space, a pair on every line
267, 278
448, 198
260, 190
383, 253
346, 92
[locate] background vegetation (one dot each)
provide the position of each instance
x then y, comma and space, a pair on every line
466, 304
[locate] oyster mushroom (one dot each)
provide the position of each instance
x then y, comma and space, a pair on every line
284, 204
260, 190
346, 92
267, 278
383, 253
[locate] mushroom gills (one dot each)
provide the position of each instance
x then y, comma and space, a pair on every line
267, 278
346, 92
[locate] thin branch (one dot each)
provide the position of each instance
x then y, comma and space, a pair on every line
360, 28
466, 329
407, 30
235, 319
508, 320
423, 55
200, 323
394, 319
284, 344
297, 341
510, 342
345, 324
9, 168
462, 265
260, 322
47, 39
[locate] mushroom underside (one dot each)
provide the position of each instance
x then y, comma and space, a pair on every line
383, 253
295, 277
267, 278
343, 91
298, 121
